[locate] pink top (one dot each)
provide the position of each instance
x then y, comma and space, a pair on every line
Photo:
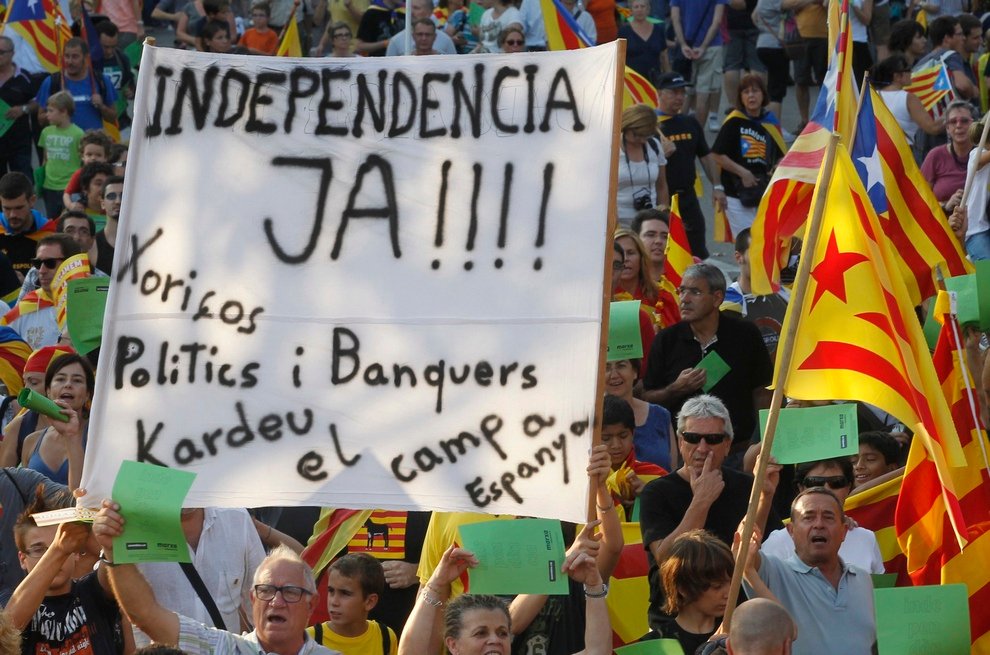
122, 14
945, 172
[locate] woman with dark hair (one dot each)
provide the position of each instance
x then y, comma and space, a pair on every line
57, 451
860, 547
747, 148
907, 37
890, 77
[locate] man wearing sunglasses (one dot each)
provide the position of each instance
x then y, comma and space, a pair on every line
33, 317
701, 493
673, 373
283, 596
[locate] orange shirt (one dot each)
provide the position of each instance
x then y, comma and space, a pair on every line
812, 21
255, 40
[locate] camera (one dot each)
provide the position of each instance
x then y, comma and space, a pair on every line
642, 200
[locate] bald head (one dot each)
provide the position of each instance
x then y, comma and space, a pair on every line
761, 627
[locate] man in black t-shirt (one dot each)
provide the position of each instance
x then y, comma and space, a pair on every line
689, 139
113, 195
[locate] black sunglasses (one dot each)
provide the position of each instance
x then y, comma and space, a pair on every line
50, 262
831, 481
713, 439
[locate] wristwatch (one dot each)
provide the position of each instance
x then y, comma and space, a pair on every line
26, 109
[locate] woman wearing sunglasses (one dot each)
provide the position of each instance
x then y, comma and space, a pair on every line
860, 547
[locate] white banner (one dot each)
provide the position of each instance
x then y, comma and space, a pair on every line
366, 283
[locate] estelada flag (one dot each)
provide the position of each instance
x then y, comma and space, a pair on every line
930, 84
787, 202
924, 517
910, 215
35, 21
290, 45
857, 337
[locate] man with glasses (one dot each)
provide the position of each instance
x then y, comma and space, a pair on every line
282, 598
113, 195
949, 40
831, 601
56, 614
398, 45
33, 317
738, 366
702, 493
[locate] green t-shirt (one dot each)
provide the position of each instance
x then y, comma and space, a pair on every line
61, 146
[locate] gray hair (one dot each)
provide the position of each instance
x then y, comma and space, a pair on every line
283, 553
453, 617
710, 273
961, 104
704, 406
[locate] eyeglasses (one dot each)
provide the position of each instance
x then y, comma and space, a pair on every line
290, 593
712, 439
6, 52
960, 121
618, 265
342, 35
514, 42
831, 481
37, 552
114, 195
691, 291
50, 262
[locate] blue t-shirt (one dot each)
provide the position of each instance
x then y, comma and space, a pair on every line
86, 115
651, 441
696, 18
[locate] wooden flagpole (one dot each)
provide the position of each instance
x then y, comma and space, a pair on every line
613, 184
285, 28
785, 354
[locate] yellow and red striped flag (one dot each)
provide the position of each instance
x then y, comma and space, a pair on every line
42, 26
723, 231
874, 509
785, 206
930, 84
629, 597
678, 249
924, 517
857, 334
14, 353
910, 216
637, 90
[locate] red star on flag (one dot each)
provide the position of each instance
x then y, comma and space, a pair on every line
829, 273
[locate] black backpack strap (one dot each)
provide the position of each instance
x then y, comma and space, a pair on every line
24, 499
386, 640
204, 594
318, 633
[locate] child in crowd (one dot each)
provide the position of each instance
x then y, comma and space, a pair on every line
355, 582
215, 37
629, 475
94, 147
60, 142
260, 39
879, 453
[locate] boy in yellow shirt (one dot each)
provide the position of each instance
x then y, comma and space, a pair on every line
355, 583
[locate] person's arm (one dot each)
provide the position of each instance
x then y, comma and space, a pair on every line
581, 568
712, 30
711, 170
744, 174
70, 538
770, 482
705, 490
864, 12
422, 632
160, 14
134, 594
963, 85
182, 30
8, 448
924, 120
675, 19
272, 538
663, 195
609, 537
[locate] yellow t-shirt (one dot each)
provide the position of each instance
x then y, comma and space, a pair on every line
370, 643
339, 11
442, 532
812, 22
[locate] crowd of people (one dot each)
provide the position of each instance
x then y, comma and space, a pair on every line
678, 449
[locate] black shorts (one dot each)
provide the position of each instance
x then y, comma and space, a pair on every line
777, 72
815, 61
